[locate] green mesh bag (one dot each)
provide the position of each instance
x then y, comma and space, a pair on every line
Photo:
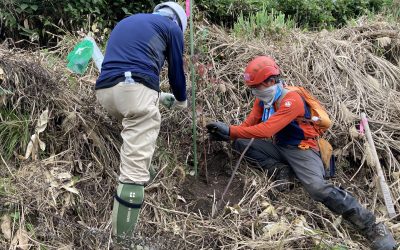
78, 59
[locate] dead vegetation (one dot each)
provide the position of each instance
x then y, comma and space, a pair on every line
60, 197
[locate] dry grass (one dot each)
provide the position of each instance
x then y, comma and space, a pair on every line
78, 156
66, 194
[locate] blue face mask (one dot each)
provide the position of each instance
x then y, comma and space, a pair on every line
268, 95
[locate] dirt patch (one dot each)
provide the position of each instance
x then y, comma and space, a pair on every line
200, 193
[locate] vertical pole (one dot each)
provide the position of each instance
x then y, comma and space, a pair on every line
194, 115
387, 196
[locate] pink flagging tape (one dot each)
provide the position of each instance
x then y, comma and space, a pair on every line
363, 121
187, 8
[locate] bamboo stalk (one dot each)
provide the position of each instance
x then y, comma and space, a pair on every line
382, 181
193, 78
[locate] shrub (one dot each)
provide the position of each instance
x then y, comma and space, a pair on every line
39, 20
306, 13
14, 131
226, 12
262, 24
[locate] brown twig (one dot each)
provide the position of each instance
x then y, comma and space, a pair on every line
222, 201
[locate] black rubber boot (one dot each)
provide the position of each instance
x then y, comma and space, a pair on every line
362, 219
380, 237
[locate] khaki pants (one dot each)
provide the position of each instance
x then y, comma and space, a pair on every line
137, 107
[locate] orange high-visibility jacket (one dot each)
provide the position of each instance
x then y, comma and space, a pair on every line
287, 125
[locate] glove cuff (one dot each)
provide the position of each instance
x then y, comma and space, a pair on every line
180, 105
233, 132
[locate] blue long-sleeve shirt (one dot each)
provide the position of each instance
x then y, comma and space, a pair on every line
140, 43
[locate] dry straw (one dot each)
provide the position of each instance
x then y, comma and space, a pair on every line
66, 194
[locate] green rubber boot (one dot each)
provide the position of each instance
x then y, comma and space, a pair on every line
127, 203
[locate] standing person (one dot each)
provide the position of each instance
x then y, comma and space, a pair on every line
284, 116
129, 89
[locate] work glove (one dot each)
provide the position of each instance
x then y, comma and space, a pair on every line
218, 131
180, 105
169, 101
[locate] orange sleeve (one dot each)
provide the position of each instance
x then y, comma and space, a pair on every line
255, 115
291, 107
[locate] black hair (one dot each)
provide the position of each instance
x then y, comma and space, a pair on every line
276, 78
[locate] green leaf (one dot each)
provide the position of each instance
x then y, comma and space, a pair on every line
34, 7
30, 227
125, 10
47, 23
23, 6
15, 215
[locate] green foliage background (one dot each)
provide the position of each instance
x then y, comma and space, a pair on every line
40, 21
306, 13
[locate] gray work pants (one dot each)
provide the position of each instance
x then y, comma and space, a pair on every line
308, 168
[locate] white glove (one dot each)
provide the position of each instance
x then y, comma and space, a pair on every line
167, 99
180, 105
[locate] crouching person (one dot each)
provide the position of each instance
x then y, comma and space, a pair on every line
285, 115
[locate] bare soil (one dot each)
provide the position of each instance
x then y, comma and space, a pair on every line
200, 193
